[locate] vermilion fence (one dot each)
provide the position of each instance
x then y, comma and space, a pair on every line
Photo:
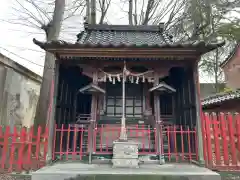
25, 150
221, 141
22, 149
178, 143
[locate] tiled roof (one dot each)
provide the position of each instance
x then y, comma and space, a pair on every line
220, 97
231, 54
120, 36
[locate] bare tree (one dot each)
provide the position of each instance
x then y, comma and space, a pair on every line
146, 12
104, 6
48, 17
52, 31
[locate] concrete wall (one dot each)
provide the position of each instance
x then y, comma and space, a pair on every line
19, 92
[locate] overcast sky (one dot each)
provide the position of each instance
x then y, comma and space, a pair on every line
16, 40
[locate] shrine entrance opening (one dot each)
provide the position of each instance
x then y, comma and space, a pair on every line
90, 106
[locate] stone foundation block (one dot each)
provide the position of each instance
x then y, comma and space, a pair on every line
125, 163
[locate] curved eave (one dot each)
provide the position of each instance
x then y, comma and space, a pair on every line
188, 49
230, 56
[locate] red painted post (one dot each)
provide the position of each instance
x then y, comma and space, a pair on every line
54, 140
209, 141
232, 139
5, 147
149, 139
216, 139
94, 139
108, 129
81, 143
101, 138
189, 144
74, 143
175, 142
46, 134
30, 142
161, 139
169, 146
182, 145
196, 144
155, 140
68, 140
224, 139
14, 140
61, 141
22, 142
38, 143
203, 121
143, 138
238, 133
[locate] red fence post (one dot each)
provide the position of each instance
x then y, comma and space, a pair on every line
5, 147
38, 141
74, 143
22, 142
12, 152
238, 134
46, 143
208, 139
232, 139
216, 139
168, 140
81, 142
196, 144
30, 143
61, 141
68, 141
203, 121
224, 139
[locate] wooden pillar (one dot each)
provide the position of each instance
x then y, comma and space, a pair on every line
198, 115
51, 120
93, 118
158, 119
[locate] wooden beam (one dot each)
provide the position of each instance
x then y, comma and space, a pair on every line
158, 120
176, 53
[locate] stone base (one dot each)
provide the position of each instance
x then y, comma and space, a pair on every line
123, 163
177, 171
125, 154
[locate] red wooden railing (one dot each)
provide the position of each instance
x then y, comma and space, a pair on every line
221, 141
72, 142
25, 150
22, 150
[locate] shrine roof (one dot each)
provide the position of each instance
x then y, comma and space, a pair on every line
220, 98
231, 55
127, 36
123, 35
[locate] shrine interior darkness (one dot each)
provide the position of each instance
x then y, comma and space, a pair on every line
176, 108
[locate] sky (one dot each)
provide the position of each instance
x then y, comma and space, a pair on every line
16, 40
